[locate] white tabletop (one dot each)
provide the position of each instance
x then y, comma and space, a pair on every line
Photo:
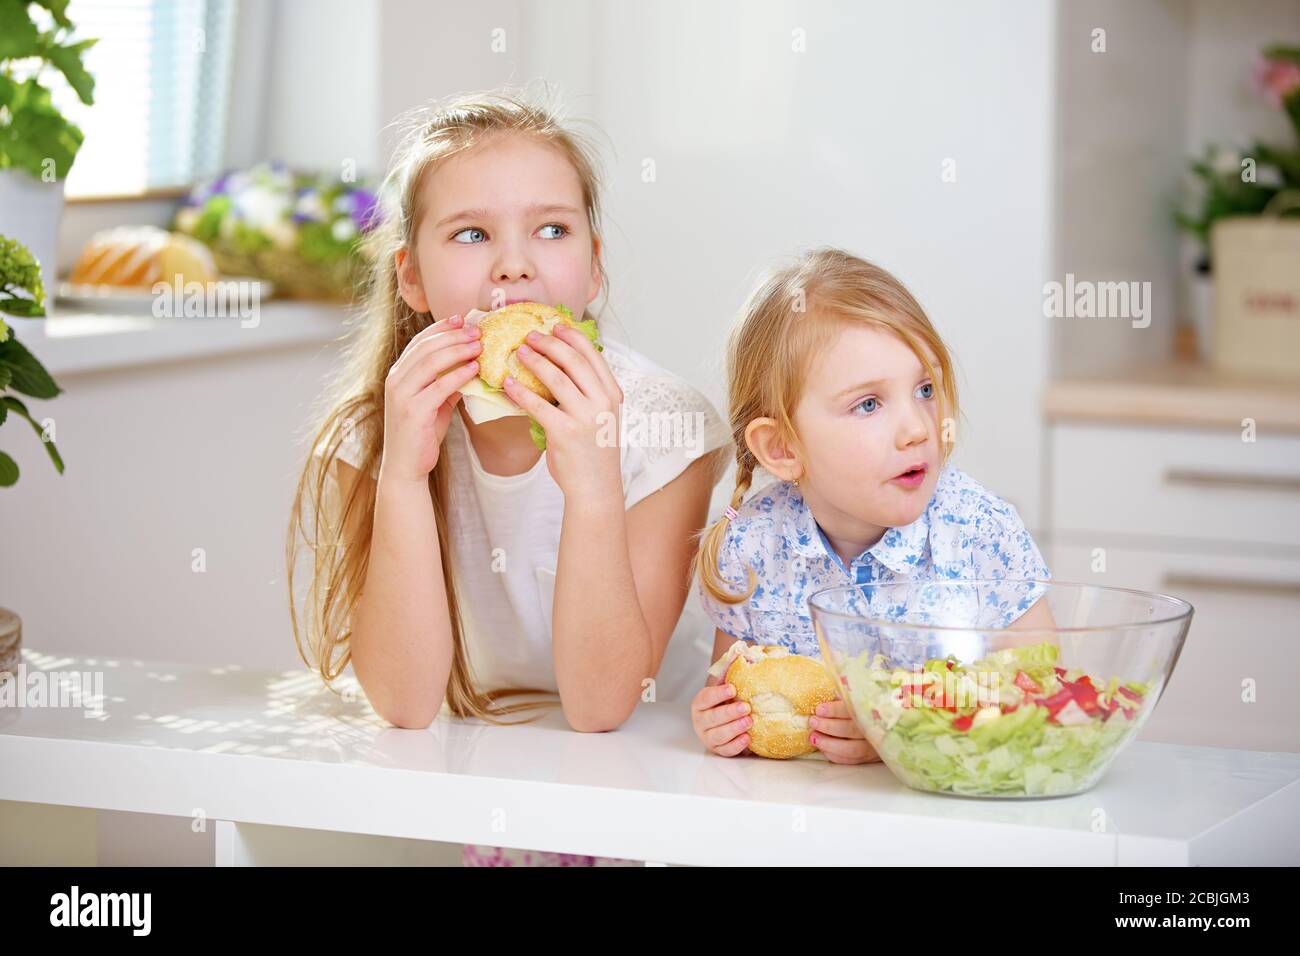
278, 749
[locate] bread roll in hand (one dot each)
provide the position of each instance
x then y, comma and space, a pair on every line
782, 690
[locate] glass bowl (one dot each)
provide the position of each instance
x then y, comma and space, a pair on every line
954, 703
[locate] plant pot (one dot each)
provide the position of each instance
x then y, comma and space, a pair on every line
11, 641
30, 211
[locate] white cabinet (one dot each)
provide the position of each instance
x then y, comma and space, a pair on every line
1204, 516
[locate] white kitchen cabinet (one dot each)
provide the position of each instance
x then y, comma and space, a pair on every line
1199, 514
1243, 629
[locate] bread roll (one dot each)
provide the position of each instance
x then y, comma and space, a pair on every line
136, 257
504, 331
782, 690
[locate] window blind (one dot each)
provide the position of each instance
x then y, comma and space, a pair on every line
162, 80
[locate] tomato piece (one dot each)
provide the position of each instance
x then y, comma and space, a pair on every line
1027, 683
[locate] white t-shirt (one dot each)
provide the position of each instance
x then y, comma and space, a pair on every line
506, 529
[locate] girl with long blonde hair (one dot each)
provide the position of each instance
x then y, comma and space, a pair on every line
454, 564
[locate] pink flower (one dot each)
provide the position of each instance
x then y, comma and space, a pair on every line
1277, 79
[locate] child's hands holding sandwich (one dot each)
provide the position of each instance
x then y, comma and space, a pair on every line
799, 710
719, 720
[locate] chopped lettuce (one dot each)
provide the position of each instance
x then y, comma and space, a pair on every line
588, 328
536, 433
1012, 724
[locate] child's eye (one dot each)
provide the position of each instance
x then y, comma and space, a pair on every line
870, 404
928, 388
480, 235
562, 230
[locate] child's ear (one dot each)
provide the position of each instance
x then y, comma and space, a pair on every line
763, 437
408, 281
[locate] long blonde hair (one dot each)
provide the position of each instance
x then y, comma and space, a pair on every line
787, 320
387, 324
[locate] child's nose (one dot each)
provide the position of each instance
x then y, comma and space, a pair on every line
513, 264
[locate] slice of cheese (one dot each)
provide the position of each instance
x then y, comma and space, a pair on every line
483, 404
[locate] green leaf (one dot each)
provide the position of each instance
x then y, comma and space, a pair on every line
58, 9
18, 34
1286, 160
67, 60
8, 467
21, 409
25, 308
316, 243
1289, 53
36, 132
208, 226
536, 433
29, 375
588, 328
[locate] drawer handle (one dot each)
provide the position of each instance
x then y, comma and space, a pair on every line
1210, 479
1239, 585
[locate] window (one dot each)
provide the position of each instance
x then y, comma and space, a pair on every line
162, 79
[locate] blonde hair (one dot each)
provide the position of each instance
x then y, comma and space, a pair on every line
431, 135
793, 314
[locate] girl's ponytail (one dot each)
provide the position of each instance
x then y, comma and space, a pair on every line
711, 539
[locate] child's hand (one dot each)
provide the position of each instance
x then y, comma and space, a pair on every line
582, 431
719, 722
420, 392
835, 733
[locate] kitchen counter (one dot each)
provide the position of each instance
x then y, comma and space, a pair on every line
79, 340
262, 752
1180, 393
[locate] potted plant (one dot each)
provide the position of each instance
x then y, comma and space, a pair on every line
22, 294
1242, 182
37, 142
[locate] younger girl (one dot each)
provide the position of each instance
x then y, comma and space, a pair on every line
843, 392
459, 564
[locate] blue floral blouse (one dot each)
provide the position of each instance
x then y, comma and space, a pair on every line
966, 532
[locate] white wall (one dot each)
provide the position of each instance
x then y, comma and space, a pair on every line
323, 85
161, 460
760, 151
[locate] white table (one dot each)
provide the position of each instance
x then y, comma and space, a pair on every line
280, 763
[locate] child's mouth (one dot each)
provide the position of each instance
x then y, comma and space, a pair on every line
912, 478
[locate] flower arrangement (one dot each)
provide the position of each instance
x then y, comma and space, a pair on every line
302, 231
1243, 183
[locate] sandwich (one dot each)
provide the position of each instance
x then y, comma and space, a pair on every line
503, 331
782, 690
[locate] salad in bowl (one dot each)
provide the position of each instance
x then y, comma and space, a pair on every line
954, 706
